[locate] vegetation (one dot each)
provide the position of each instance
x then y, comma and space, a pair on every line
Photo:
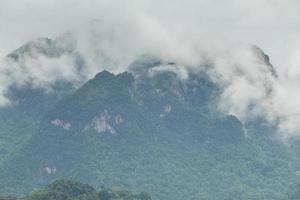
147, 133
71, 190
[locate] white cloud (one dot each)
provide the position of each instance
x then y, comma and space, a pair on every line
183, 31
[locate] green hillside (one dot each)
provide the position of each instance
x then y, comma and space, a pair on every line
159, 134
72, 190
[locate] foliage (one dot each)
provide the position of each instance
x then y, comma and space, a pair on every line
168, 140
71, 190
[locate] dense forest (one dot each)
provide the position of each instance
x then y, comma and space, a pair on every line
143, 129
71, 190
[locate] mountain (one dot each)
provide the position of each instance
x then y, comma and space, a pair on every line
28, 101
145, 129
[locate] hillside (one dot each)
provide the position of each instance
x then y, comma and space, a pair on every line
154, 133
72, 190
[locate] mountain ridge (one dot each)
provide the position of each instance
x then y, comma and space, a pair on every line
149, 128
113, 121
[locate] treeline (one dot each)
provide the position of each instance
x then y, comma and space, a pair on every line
72, 190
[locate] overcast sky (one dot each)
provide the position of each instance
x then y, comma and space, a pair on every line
274, 25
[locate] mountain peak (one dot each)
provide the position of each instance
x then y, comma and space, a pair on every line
124, 77
103, 74
264, 58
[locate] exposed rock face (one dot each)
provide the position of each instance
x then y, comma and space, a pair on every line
119, 119
50, 170
167, 110
61, 123
101, 124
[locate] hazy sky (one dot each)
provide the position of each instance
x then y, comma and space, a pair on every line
273, 25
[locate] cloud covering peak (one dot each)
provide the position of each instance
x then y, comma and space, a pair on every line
196, 35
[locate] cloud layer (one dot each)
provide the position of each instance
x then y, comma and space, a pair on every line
111, 34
